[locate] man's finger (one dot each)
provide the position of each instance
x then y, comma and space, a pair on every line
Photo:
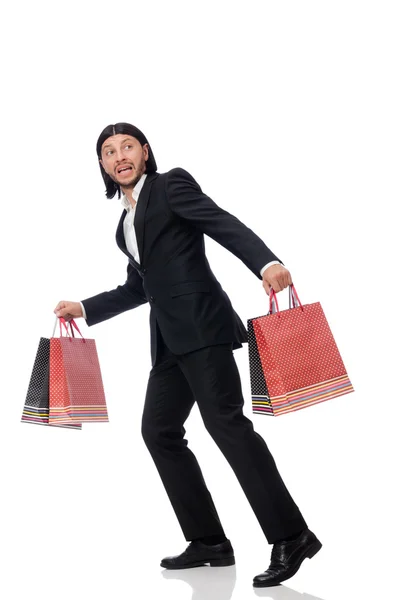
277, 285
285, 280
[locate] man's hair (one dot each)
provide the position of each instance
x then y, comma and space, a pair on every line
111, 186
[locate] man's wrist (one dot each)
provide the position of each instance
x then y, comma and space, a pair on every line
273, 262
83, 309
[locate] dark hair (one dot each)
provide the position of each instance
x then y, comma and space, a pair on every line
111, 186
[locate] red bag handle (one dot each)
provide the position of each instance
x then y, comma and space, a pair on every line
65, 324
273, 303
72, 324
294, 296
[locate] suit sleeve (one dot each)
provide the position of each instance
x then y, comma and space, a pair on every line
187, 201
110, 304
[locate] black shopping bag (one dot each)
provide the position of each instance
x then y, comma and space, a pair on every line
36, 408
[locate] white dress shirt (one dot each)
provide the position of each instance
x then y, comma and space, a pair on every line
129, 229
128, 225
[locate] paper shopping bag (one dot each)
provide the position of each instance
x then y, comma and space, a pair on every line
59, 402
36, 407
293, 358
86, 395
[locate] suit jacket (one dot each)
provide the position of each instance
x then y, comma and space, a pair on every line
186, 300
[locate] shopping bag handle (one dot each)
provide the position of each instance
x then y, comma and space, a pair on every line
293, 299
65, 324
73, 323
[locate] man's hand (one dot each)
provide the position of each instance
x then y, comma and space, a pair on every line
276, 276
68, 310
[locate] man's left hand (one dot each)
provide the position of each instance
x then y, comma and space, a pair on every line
276, 276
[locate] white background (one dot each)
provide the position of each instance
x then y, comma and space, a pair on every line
285, 113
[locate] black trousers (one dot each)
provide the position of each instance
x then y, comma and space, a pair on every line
210, 376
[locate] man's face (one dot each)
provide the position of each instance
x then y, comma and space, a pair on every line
123, 159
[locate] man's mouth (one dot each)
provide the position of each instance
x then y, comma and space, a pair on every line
124, 170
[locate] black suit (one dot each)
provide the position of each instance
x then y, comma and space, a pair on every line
193, 332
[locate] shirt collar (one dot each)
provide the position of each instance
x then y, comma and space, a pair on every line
135, 193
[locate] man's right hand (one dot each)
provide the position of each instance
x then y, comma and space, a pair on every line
68, 310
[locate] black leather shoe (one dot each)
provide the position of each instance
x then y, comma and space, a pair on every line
198, 554
287, 557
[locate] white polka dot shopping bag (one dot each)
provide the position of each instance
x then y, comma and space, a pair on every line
293, 358
76, 386
37, 404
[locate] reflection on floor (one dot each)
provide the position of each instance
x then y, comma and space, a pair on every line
218, 583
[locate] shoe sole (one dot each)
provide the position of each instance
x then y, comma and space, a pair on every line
312, 551
215, 562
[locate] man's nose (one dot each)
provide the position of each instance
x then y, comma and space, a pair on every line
120, 155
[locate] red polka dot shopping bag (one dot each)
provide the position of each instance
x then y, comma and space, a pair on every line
294, 361
37, 403
76, 387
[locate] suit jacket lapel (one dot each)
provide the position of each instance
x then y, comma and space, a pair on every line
139, 221
120, 234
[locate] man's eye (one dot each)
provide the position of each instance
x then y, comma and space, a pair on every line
127, 146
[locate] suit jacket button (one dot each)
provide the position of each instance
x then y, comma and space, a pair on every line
151, 299
143, 271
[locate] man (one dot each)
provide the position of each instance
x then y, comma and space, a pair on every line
194, 331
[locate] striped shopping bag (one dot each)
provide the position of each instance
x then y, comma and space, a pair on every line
294, 361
